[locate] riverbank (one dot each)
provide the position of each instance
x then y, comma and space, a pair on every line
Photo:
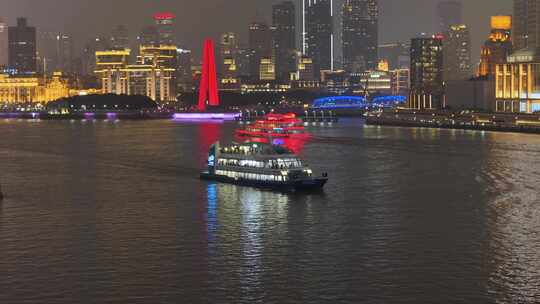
500, 122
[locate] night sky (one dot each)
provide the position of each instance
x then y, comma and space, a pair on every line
400, 19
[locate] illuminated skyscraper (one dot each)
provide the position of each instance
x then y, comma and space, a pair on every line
22, 47
360, 35
426, 73
3, 44
228, 49
318, 33
450, 13
165, 28
284, 23
260, 42
498, 46
457, 53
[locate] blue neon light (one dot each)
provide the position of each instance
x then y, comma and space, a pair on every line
356, 102
340, 102
390, 99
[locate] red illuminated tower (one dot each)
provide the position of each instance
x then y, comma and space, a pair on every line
208, 90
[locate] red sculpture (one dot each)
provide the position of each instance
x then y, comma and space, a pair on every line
208, 89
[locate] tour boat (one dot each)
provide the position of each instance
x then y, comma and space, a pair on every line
275, 125
260, 165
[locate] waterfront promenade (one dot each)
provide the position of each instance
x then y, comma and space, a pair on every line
502, 122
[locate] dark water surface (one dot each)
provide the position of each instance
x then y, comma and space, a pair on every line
113, 212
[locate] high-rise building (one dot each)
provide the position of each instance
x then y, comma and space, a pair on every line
426, 73
360, 35
457, 53
284, 23
318, 33
450, 13
260, 41
120, 38
89, 54
228, 49
3, 44
498, 46
183, 72
22, 47
526, 32
244, 58
165, 28
64, 57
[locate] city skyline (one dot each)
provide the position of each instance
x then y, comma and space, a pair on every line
396, 18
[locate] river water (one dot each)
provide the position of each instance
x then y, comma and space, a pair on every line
113, 212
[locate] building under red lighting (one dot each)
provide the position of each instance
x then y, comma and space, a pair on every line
164, 16
165, 28
208, 90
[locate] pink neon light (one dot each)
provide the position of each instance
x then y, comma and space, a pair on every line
205, 116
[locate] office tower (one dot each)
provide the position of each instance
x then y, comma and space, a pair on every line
526, 31
426, 73
397, 55
228, 49
22, 47
284, 23
243, 62
318, 33
120, 38
498, 46
88, 60
260, 41
64, 57
450, 13
149, 36
3, 44
457, 53
360, 35
208, 89
165, 28
183, 72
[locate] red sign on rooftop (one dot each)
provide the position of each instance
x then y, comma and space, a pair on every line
164, 16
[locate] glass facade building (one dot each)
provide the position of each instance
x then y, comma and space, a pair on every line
360, 35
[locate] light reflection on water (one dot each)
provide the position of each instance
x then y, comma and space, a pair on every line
409, 215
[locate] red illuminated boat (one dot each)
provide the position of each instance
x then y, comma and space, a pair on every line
275, 126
